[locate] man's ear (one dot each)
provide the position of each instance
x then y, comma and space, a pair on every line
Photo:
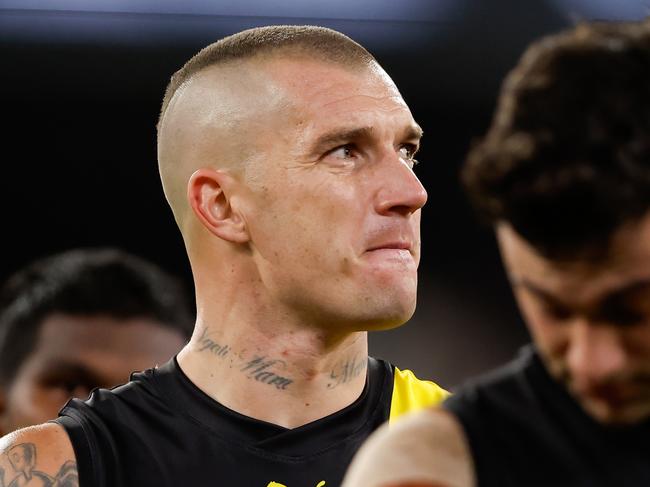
209, 192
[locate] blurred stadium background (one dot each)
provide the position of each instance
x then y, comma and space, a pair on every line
81, 87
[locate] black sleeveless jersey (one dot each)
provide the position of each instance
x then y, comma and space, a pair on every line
524, 429
161, 430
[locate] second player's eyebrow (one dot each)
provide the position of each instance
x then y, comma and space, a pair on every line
611, 295
535, 289
629, 289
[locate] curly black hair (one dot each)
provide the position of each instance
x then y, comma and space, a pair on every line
566, 160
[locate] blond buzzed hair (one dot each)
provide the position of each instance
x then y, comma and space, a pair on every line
316, 42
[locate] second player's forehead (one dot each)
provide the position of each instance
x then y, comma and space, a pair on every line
622, 271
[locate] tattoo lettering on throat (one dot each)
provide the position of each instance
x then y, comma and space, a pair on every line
22, 459
206, 343
259, 368
347, 370
264, 370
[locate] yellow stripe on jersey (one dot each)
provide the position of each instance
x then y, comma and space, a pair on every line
411, 394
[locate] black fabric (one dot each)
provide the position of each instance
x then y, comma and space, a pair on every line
161, 430
524, 429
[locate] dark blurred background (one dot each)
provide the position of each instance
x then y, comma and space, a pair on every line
82, 84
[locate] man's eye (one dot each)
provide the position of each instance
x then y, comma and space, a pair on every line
621, 315
65, 385
407, 152
551, 309
343, 152
557, 312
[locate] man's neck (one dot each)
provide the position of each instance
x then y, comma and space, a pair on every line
288, 377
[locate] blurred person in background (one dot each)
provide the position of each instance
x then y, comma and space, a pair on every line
286, 154
564, 176
79, 320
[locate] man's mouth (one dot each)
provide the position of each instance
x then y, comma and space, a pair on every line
393, 245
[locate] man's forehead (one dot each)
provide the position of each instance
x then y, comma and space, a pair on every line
61, 332
580, 279
316, 79
336, 98
280, 80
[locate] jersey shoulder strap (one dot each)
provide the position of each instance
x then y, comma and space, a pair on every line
411, 394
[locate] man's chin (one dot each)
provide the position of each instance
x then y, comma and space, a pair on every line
616, 415
389, 317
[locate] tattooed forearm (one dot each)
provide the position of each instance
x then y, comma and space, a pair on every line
22, 458
347, 370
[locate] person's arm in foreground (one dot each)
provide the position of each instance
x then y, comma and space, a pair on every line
426, 449
43, 453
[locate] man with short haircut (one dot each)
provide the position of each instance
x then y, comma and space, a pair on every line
286, 154
79, 320
564, 176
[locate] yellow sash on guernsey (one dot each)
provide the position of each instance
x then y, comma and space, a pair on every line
411, 394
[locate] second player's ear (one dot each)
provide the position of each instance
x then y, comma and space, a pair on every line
210, 193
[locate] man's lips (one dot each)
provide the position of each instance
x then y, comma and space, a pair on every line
397, 245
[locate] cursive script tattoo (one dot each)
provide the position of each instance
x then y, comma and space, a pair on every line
259, 368
22, 458
263, 370
347, 370
206, 343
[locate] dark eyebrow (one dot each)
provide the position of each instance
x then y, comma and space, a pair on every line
537, 290
341, 136
57, 369
632, 287
611, 295
413, 132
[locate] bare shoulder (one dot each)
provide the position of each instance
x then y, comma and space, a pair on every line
39, 455
425, 449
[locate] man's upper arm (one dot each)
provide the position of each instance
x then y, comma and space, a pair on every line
425, 449
43, 451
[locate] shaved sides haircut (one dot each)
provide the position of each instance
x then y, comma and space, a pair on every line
315, 42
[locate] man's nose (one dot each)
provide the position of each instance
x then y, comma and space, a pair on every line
401, 191
596, 353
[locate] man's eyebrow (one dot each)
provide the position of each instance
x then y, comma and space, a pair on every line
413, 132
629, 288
328, 139
342, 135
611, 294
57, 368
535, 289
